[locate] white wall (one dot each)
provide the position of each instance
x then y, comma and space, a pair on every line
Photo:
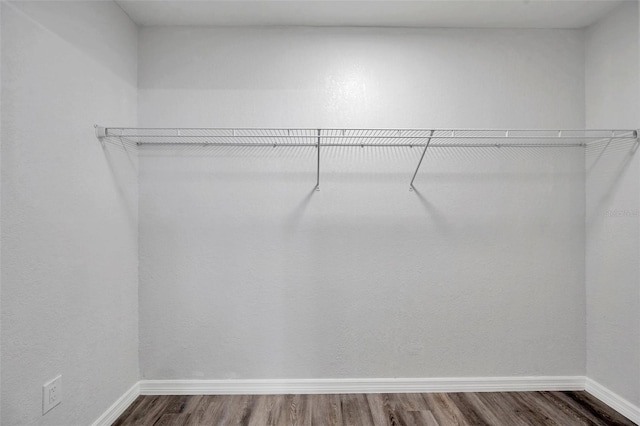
0, 213
69, 218
245, 272
359, 77
613, 218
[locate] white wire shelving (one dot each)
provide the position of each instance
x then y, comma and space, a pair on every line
382, 138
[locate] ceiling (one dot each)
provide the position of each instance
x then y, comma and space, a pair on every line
394, 13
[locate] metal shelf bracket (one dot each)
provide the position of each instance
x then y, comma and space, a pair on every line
424, 151
101, 132
318, 165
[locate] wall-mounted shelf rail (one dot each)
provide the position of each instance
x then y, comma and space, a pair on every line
382, 138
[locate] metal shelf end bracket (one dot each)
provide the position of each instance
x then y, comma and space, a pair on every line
101, 132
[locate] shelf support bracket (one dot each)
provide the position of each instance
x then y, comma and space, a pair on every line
637, 142
318, 165
411, 187
101, 132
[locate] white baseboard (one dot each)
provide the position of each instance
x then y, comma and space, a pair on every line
325, 386
320, 386
613, 400
118, 407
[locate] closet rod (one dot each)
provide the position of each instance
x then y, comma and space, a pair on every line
377, 145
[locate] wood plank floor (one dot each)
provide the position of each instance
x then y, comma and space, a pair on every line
428, 409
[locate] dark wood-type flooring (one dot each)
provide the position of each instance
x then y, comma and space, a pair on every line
429, 409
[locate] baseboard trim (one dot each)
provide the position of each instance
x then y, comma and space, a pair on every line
319, 386
328, 386
118, 407
613, 400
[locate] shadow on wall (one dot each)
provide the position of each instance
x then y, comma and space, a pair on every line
264, 169
385, 159
293, 219
606, 163
439, 219
60, 19
122, 162
277, 183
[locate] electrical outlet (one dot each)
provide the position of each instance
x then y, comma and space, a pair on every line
51, 394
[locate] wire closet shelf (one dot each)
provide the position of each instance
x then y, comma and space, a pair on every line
383, 138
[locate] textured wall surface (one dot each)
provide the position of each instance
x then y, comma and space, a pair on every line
69, 219
613, 203
0, 213
245, 272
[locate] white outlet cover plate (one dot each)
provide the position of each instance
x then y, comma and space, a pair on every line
51, 394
